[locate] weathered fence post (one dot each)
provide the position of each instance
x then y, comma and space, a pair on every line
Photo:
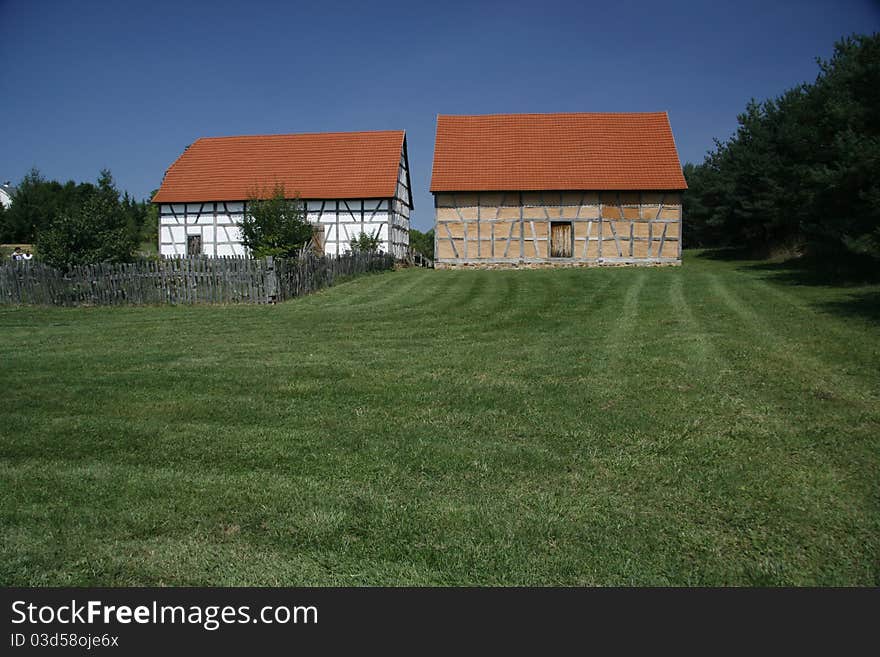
271, 280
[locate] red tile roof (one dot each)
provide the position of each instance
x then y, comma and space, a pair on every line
555, 152
323, 165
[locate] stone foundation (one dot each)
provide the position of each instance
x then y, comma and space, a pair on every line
553, 265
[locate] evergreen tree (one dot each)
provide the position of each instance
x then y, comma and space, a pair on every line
801, 169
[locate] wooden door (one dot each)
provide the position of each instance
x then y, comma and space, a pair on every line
317, 243
560, 239
193, 245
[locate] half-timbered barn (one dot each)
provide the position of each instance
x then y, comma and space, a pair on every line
349, 182
556, 190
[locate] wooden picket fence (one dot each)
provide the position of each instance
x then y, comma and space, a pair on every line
180, 280
296, 277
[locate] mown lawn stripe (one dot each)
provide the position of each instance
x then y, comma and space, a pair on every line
603, 426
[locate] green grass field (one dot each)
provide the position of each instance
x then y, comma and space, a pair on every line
714, 424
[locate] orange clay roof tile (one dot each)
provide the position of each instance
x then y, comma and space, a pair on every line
318, 166
612, 151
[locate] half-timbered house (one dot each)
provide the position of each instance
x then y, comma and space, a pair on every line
7, 193
349, 182
556, 190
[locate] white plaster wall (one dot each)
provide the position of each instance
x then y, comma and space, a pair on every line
343, 220
399, 225
215, 222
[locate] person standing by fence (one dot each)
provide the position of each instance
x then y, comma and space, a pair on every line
17, 254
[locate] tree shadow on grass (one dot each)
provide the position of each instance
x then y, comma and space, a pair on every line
832, 271
839, 271
863, 305
728, 254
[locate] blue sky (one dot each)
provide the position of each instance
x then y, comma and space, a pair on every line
128, 85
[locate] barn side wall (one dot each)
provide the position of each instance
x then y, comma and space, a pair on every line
341, 219
513, 228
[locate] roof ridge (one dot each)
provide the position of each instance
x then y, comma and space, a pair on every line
553, 114
307, 134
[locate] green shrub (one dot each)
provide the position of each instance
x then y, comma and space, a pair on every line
274, 225
365, 243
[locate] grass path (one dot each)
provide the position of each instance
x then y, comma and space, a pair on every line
696, 425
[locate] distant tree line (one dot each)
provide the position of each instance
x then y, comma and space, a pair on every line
421, 242
77, 223
802, 171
